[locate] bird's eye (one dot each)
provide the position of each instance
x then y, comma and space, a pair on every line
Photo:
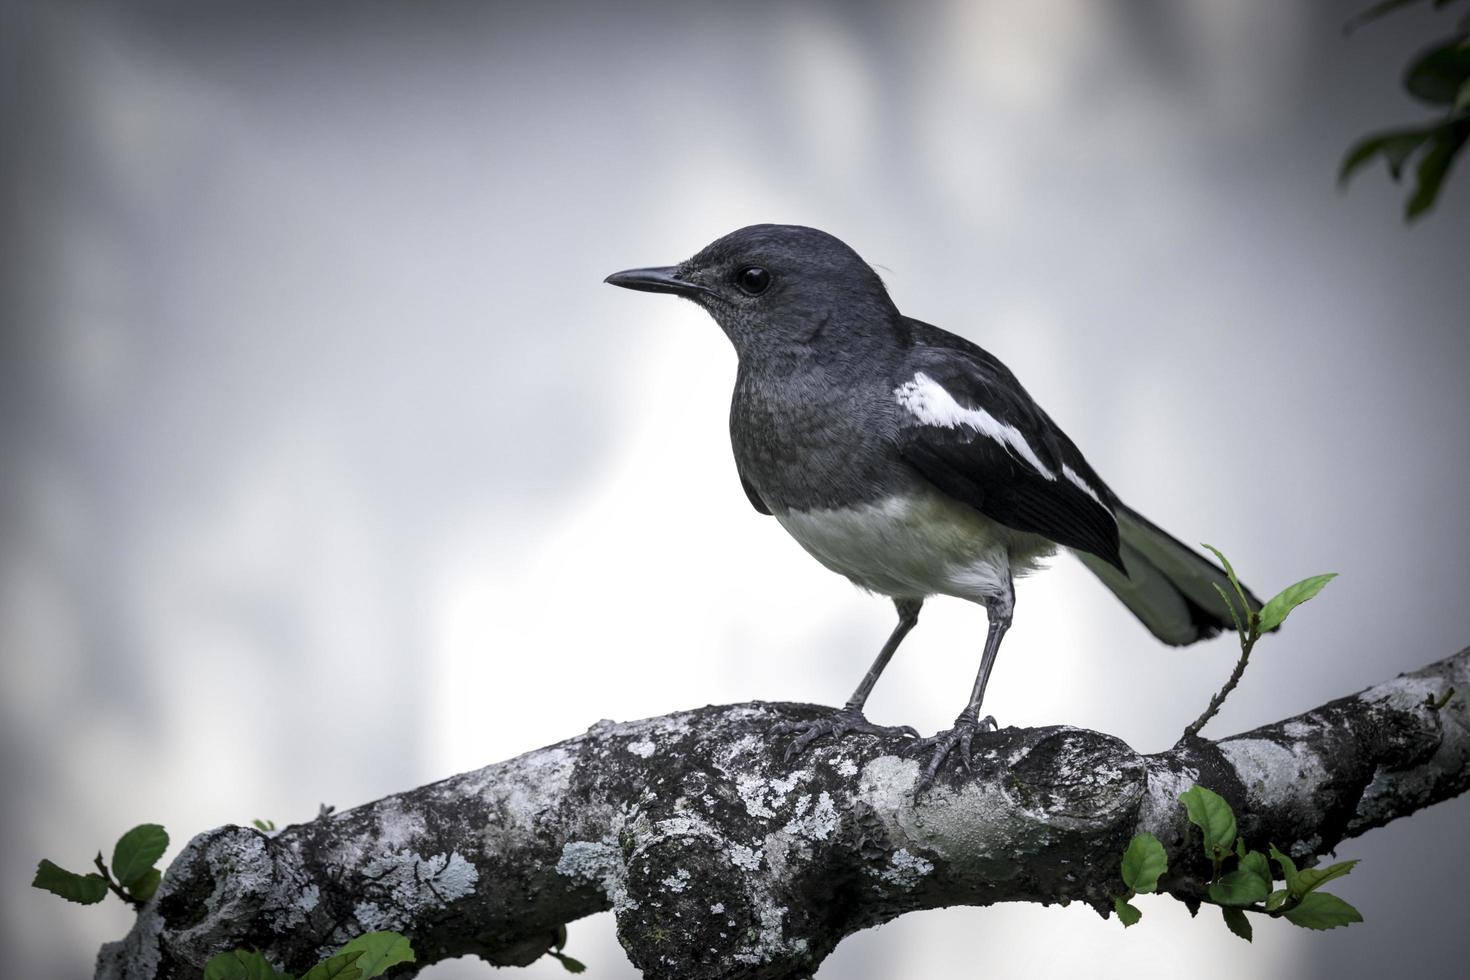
753, 279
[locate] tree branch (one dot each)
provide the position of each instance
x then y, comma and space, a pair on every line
719, 860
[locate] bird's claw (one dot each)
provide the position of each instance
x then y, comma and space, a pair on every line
836, 725
941, 744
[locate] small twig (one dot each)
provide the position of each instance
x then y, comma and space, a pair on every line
1248, 643
113, 886
1438, 705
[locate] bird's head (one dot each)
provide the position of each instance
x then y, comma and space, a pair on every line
775, 289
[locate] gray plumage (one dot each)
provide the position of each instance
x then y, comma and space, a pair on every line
909, 459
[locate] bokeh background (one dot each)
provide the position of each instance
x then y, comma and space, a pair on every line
330, 467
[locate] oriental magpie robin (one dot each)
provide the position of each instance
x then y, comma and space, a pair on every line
911, 461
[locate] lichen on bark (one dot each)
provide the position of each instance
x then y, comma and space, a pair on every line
721, 860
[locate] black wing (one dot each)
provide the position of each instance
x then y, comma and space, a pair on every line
755, 498
969, 427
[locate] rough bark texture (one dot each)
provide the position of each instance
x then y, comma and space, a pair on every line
721, 860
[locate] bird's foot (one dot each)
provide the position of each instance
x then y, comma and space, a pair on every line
941, 744
837, 725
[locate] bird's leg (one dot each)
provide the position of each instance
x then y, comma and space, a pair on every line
908, 618
850, 718
969, 721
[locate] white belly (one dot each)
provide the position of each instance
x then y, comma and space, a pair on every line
918, 545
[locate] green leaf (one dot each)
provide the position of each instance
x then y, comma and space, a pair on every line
1288, 871
1239, 590
342, 966
1236, 921
227, 966
144, 887
561, 937
1277, 899
137, 851
1274, 613
1312, 878
239, 964
1213, 816
82, 889
1239, 887
380, 950
571, 965
1322, 910
1143, 862
267, 826
1127, 913
1462, 97
1437, 74
1396, 146
1255, 863
1397, 151
1433, 167
1234, 616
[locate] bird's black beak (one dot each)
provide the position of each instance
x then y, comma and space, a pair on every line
657, 280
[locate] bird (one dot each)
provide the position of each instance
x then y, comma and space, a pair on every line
912, 461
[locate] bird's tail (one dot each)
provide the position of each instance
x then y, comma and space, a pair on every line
1169, 586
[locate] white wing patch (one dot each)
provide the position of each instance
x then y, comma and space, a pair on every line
1081, 484
928, 401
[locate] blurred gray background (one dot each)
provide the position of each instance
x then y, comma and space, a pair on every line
331, 468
